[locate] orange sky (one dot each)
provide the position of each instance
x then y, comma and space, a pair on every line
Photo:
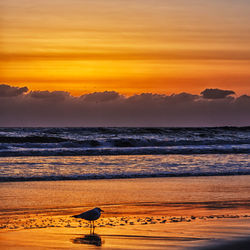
128, 46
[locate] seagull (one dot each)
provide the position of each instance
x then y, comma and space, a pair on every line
90, 215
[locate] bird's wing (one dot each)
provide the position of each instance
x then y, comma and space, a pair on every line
88, 215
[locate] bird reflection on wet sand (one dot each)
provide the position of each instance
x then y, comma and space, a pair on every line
89, 239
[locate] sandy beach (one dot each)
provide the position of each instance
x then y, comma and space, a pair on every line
150, 213
195, 235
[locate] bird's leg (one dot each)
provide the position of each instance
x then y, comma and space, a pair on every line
92, 231
90, 227
93, 227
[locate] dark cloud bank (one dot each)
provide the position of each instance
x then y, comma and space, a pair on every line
213, 107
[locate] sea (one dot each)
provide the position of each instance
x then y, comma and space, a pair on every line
44, 154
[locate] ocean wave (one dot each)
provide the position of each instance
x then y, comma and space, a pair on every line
31, 139
119, 176
131, 142
115, 141
185, 150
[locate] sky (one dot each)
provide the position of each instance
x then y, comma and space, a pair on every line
161, 52
128, 46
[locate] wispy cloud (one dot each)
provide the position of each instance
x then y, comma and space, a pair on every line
129, 54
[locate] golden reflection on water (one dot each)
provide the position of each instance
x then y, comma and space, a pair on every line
156, 194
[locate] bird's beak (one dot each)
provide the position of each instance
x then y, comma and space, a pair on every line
102, 211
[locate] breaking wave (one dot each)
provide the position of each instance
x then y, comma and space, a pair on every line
122, 141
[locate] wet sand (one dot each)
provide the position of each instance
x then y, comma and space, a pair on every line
156, 213
126, 233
